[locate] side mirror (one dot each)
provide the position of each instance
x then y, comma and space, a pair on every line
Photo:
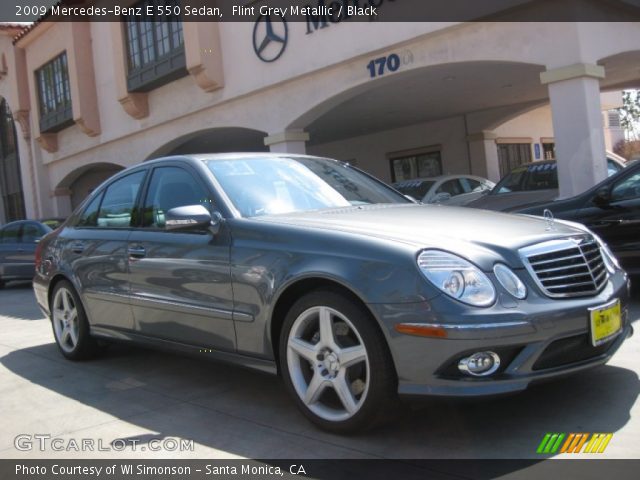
603, 196
441, 197
188, 218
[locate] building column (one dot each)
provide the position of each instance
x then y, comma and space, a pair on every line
483, 154
61, 199
574, 92
290, 141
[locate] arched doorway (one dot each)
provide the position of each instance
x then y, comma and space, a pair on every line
11, 193
214, 140
84, 180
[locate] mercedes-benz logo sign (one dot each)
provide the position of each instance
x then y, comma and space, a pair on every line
270, 36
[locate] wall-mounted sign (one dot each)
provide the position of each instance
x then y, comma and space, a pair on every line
270, 37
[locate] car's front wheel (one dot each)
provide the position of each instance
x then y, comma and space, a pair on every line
70, 325
335, 363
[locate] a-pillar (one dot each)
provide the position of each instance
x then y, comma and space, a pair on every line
291, 141
574, 92
483, 153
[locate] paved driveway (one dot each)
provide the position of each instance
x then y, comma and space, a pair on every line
134, 396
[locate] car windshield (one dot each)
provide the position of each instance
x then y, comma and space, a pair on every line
415, 188
529, 177
275, 185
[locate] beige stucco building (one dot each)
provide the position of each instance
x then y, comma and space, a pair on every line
91, 98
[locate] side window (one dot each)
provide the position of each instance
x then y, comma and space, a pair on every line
452, 187
119, 200
612, 167
10, 234
471, 185
171, 187
31, 232
89, 217
627, 188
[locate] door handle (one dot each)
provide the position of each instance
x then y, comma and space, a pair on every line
137, 251
77, 247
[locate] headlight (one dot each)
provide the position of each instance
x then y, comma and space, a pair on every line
510, 281
610, 260
457, 277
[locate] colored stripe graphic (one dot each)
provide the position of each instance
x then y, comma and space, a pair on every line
574, 442
598, 443
550, 443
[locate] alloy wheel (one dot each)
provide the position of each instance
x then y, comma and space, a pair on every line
328, 363
65, 320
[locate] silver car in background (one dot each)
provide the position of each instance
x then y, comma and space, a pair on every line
312, 269
446, 189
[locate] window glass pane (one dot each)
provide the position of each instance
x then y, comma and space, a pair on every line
154, 37
53, 86
10, 234
628, 188
416, 166
89, 217
452, 187
31, 232
119, 200
171, 187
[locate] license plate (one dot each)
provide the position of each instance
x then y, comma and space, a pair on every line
606, 322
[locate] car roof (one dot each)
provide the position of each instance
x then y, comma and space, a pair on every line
229, 156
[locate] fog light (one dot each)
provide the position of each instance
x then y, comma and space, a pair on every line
480, 364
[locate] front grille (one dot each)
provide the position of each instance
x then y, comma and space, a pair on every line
571, 267
570, 350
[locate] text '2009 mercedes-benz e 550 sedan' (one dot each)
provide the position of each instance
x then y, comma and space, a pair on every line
311, 268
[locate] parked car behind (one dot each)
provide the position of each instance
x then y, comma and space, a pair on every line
529, 184
18, 242
312, 269
445, 189
611, 209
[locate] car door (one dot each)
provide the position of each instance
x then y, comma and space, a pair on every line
30, 235
617, 220
180, 280
94, 250
9, 261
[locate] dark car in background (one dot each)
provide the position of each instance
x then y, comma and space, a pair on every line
18, 241
611, 209
315, 270
529, 184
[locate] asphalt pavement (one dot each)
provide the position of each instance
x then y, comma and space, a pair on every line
137, 403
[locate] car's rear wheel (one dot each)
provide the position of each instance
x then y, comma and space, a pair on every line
70, 325
335, 363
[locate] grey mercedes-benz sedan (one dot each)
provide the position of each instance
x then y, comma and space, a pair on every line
312, 269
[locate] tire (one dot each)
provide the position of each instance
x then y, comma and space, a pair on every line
335, 363
70, 325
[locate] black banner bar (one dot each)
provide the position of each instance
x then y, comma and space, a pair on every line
583, 469
319, 13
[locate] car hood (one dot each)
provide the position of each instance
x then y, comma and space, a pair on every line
510, 201
456, 229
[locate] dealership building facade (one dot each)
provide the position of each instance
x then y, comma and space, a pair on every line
400, 100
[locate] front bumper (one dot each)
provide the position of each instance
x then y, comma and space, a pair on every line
537, 338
